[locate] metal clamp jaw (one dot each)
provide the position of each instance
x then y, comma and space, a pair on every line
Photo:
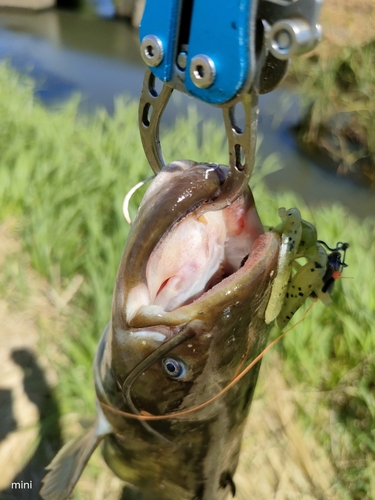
221, 55
241, 142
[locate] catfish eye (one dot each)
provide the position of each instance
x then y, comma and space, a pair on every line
174, 368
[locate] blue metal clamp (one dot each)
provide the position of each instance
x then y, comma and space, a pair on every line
191, 44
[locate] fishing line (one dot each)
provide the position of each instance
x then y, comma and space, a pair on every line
244, 356
184, 335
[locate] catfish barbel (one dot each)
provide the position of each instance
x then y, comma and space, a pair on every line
187, 317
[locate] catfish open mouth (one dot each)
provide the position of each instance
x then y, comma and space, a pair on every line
199, 252
195, 255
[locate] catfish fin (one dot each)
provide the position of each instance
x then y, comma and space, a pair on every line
68, 465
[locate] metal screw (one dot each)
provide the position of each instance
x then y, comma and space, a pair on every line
182, 60
283, 40
202, 71
290, 37
152, 50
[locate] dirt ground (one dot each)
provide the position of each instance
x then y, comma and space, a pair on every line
346, 22
26, 376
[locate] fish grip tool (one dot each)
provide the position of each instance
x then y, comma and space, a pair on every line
225, 55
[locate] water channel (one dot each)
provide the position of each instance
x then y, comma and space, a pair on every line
69, 52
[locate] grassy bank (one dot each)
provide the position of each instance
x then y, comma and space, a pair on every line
337, 84
63, 179
338, 127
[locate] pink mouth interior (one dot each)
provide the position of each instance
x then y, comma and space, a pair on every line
196, 254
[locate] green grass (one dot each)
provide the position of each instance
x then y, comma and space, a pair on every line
64, 177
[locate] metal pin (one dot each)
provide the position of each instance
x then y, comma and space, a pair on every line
291, 37
202, 71
182, 60
152, 50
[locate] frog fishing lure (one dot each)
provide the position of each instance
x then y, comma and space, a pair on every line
295, 282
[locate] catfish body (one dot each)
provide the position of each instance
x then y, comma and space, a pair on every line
176, 339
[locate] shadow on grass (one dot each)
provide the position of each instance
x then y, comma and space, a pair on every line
40, 394
8, 422
129, 493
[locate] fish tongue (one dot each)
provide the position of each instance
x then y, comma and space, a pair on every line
189, 257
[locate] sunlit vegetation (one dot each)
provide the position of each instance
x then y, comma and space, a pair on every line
337, 88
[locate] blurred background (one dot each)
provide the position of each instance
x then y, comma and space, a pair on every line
70, 77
